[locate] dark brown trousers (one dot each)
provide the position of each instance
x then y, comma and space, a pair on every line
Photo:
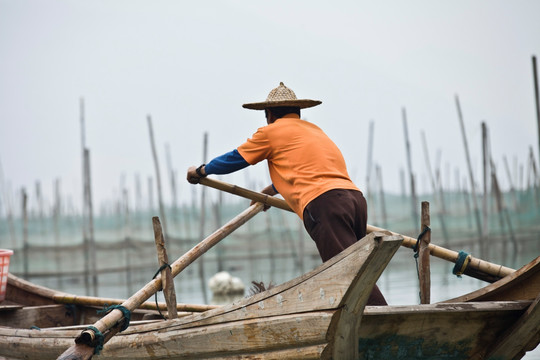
335, 220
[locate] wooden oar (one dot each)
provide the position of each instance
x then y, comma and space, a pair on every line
148, 305
111, 323
476, 267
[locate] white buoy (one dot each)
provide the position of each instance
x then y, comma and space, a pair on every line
225, 288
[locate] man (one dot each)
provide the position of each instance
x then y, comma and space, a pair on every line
307, 169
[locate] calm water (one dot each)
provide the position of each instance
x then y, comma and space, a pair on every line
272, 247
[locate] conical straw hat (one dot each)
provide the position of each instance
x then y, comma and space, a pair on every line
282, 96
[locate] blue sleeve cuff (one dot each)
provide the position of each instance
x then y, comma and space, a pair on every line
226, 163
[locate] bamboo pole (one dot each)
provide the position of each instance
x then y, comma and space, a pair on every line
39, 199
467, 205
479, 265
85, 198
402, 182
409, 166
469, 167
110, 323
504, 216
536, 100
437, 192
381, 194
424, 273
512, 187
91, 242
166, 275
158, 176
485, 209
534, 173
150, 194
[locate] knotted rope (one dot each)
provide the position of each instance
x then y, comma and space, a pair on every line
155, 294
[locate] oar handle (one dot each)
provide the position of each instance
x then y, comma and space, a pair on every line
488, 268
245, 193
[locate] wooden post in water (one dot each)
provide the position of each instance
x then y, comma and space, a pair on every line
201, 224
424, 272
26, 246
409, 165
167, 281
469, 167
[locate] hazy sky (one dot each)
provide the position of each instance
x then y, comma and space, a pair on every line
191, 65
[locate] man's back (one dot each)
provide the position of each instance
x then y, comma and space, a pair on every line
302, 160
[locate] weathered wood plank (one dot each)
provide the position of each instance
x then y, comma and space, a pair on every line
516, 340
270, 337
319, 289
39, 316
455, 331
343, 339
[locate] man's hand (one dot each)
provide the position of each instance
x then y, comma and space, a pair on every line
192, 176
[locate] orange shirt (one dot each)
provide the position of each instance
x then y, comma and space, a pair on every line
303, 162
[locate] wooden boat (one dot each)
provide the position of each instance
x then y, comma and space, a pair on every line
321, 314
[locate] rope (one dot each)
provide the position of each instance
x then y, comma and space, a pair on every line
155, 294
99, 338
125, 312
461, 263
416, 249
416, 246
